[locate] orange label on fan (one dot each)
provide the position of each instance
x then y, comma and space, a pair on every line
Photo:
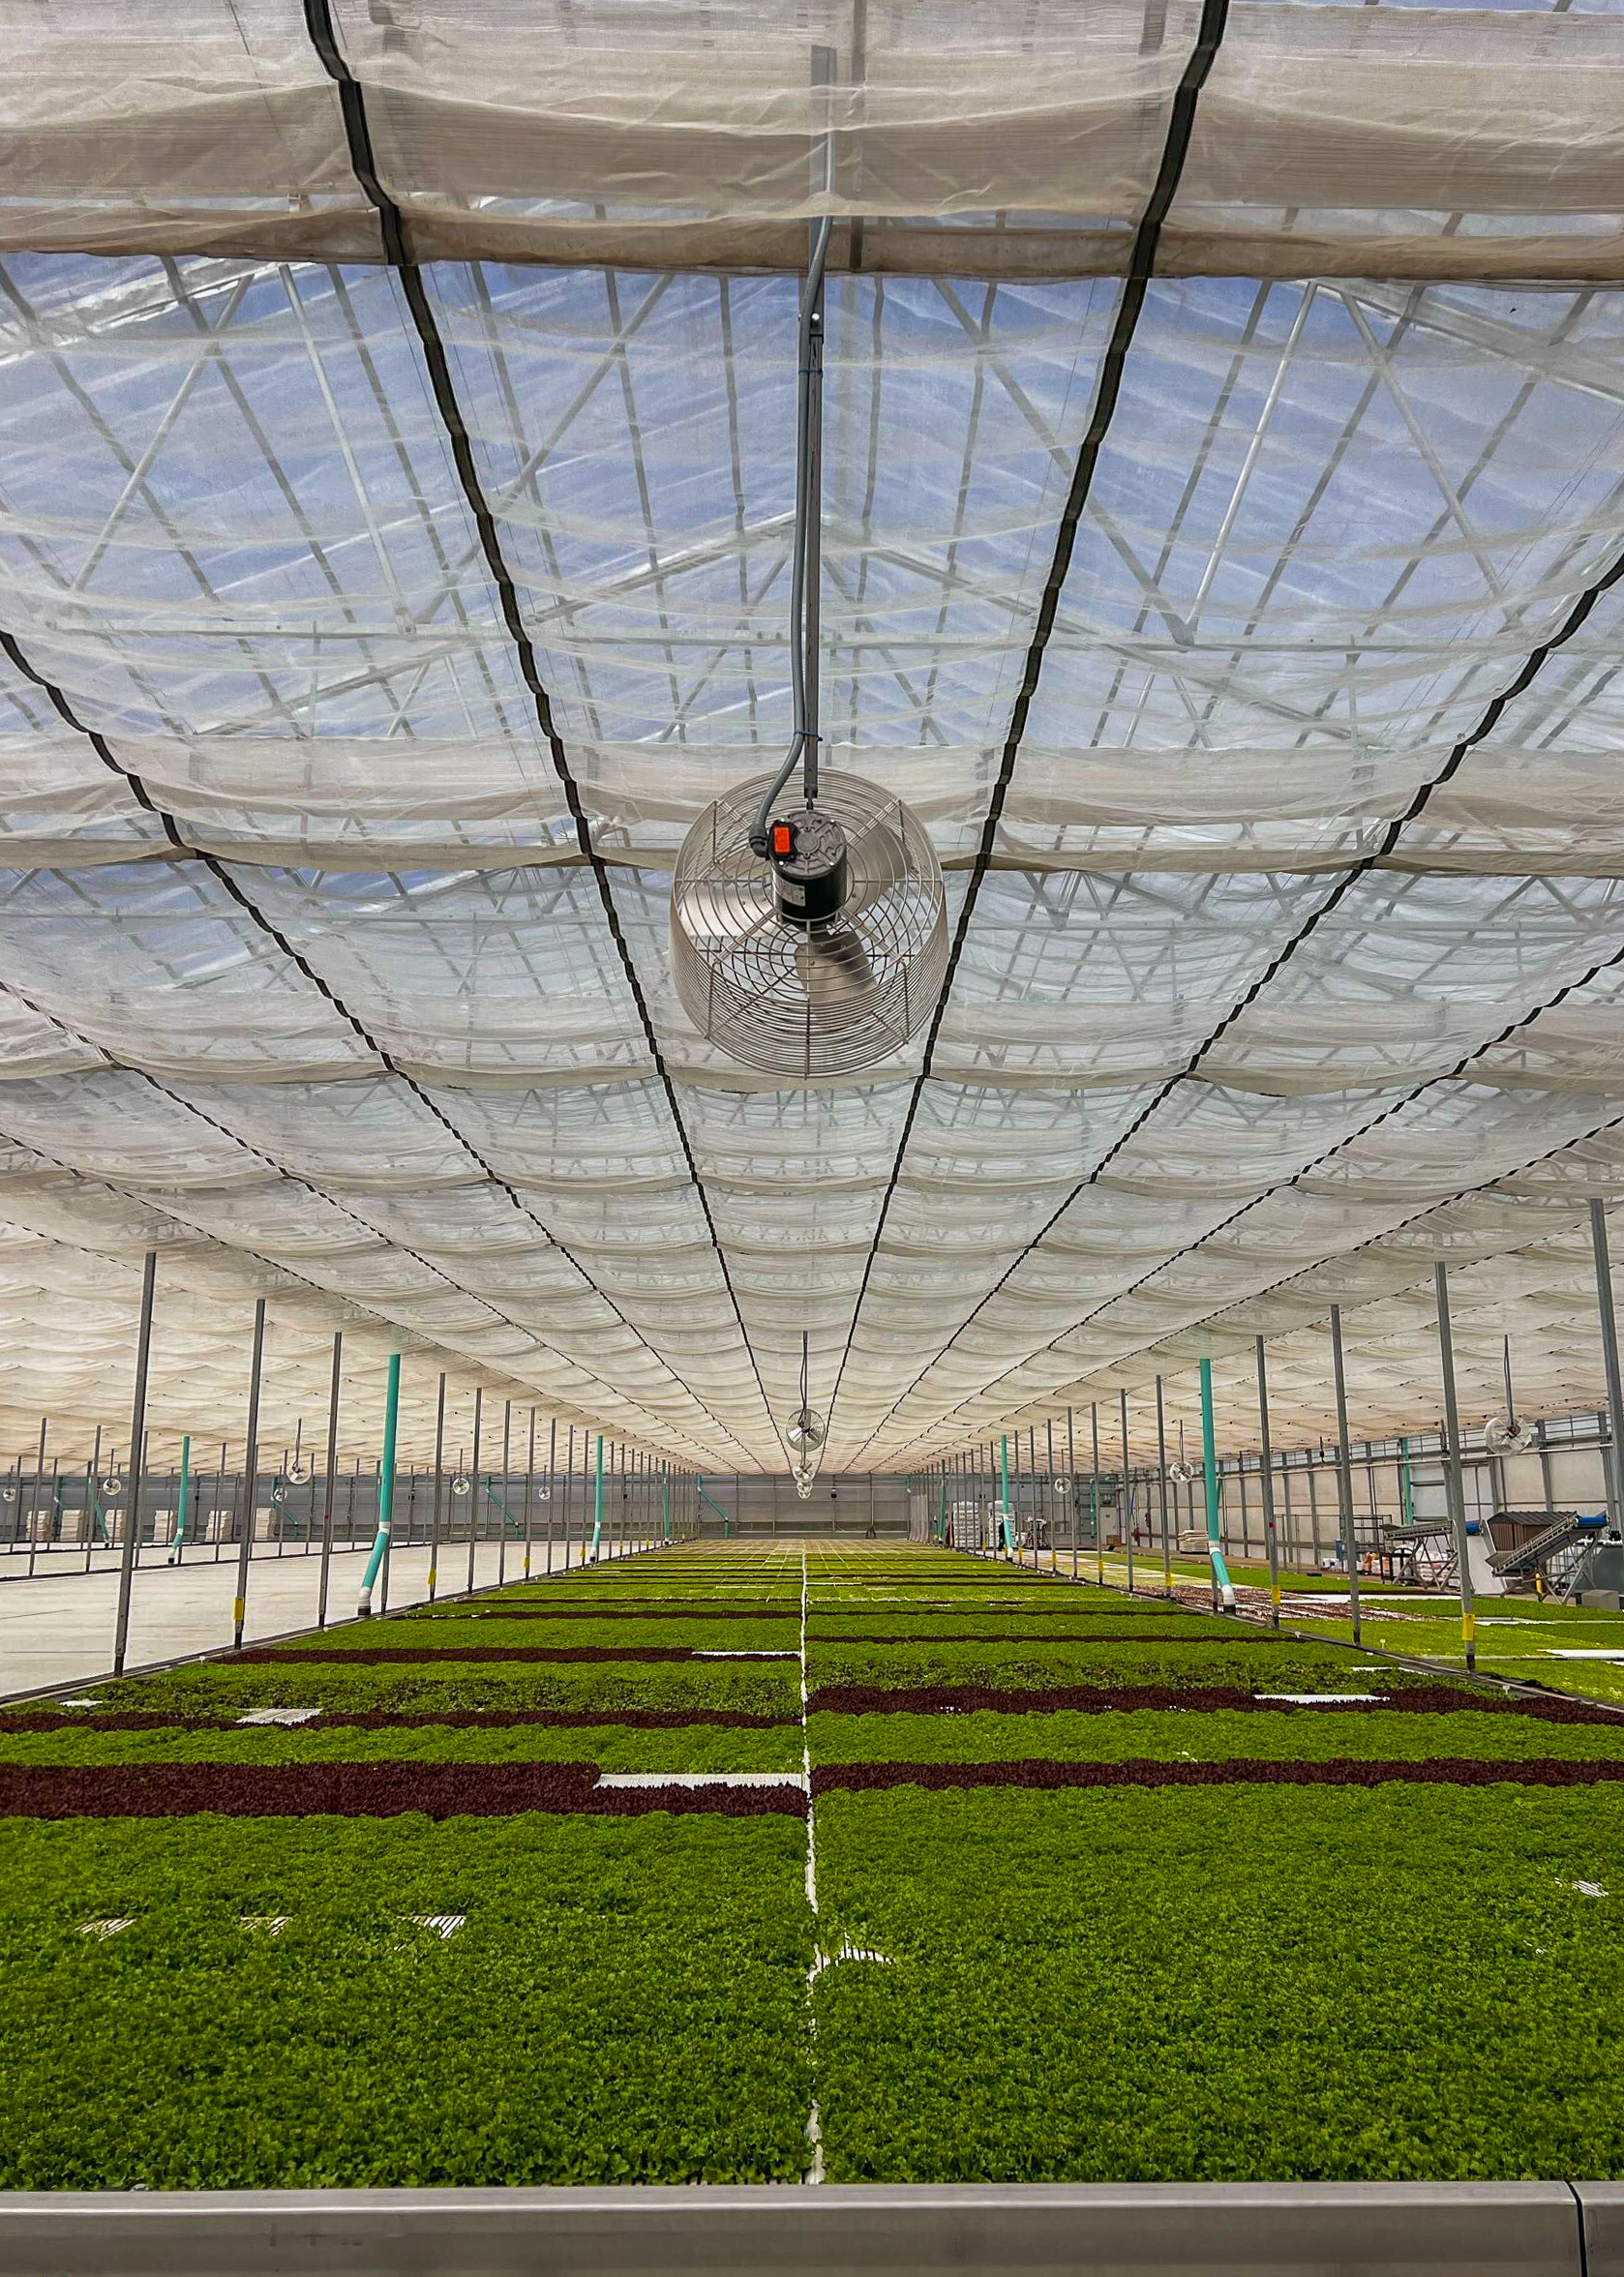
783, 839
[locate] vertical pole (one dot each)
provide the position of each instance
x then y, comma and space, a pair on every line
1344, 1469
1127, 1512
597, 1502
1099, 1519
569, 1481
1453, 1487
251, 1476
530, 1495
1610, 1362
1162, 1490
1222, 1587
329, 1480
437, 1506
1313, 1509
137, 1449
385, 1486
551, 1483
502, 1506
1270, 1537
92, 1495
1004, 1535
473, 1483
39, 1490
183, 1488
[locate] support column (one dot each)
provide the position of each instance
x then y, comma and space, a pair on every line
137, 1451
597, 1502
250, 1478
1005, 1536
1222, 1587
329, 1478
385, 1487
1345, 1471
1094, 1496
1270, 1536
530, 1495
473, 1482
1614, 1467
183, 1488
1455, 1493
1126, 1503
1162, 1490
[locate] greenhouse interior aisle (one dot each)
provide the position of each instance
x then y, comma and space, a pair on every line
59, 1627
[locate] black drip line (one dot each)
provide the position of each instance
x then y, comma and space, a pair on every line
1215, 17
323, 38
223, 877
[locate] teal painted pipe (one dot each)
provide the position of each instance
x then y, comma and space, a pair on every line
1209, 1452
385, 1486
179, 1540
597, 1502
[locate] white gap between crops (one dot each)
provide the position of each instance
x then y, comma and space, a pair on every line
1324, 1699
794, 1779
718, 1654
279, 1716
813, 2116
108, 1928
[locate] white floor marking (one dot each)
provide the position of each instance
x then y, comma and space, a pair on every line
794, 1779
279, 1716
86, 1703
740, 1654
813, 2116
1324, 1699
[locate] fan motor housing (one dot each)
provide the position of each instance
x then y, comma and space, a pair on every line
807, 851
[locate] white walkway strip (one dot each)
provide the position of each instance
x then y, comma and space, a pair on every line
795, 1779
813, 2116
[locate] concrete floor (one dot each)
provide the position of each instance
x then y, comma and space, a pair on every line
57, 1627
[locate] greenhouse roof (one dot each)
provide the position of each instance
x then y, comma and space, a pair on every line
1224, 500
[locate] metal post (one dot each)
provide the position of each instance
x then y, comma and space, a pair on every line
1614, 1467
569, 1481
251, 1476
1162, 1490
178, 1539
1270, 1537
330, 1478
385, 1487
436, 1508
1098, 1520
1223, 1587
1126, 1510
1454, 1485
137, 1449
501, 1505
473, 1483
39, 1490
1071, 1491
1344, 1470
551, 1483
597, 1502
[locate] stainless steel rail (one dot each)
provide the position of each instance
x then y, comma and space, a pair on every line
1147, 2229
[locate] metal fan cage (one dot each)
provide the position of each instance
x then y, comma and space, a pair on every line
805, 1430
820, 1000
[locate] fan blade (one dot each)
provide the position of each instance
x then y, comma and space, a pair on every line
832, 965
876, 863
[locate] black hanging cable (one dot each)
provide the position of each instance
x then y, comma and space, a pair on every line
323, 38
1215, 17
